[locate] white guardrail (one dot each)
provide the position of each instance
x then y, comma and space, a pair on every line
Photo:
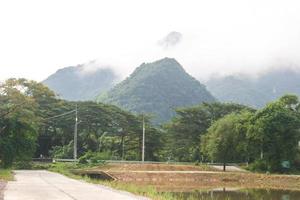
136, 162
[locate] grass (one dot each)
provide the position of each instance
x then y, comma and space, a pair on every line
6, 174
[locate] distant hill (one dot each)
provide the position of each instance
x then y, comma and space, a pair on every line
158, 88
77, 83
257, 91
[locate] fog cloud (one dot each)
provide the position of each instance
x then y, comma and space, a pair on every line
206, 37
170, 40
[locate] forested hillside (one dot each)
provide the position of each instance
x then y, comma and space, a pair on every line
35, 122
158, 88
258, 91
76, 83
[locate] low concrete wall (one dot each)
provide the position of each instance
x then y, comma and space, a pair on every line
95, 174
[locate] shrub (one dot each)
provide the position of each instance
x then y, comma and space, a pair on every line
259, 166
23, 165
62, 151
94, 157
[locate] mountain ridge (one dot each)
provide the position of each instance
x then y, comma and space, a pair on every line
158, 88
79, 83
255, 91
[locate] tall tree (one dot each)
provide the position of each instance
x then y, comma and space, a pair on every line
225, 140
275, 131
184, 131
18, 123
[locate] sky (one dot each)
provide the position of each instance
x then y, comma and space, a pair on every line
208, 37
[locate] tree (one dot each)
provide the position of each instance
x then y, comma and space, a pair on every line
275, 131
184, 131
225, 140
18, 123
46, 105
104, 129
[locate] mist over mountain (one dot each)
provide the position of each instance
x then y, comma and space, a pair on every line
256, 91
158, 88
82, 82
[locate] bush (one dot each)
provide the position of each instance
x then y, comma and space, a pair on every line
41, 166
62, 151
94, 158
259, 166
85, 158
23, 165
297, 161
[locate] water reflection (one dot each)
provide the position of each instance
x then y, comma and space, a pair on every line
244, 194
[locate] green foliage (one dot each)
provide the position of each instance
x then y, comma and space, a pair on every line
258, 165
158, 88
184, 131
102, 128
65, 151
268, 138
274, 133
225, 140
23, 165
27, 126
18, 121
94, 157
6, 174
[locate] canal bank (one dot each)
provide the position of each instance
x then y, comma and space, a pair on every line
163, 182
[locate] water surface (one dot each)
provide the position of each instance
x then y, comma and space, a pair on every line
238, 194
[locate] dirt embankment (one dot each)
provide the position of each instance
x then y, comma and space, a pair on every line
155, 167
2, 186
186, 181
185, 177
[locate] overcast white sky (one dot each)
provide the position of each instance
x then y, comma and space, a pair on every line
37, 37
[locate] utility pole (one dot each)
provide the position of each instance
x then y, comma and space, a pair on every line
123, 149
75, 133
143, 150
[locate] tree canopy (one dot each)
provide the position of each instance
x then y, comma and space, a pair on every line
34, 122
186, 128
225, 140
18, 122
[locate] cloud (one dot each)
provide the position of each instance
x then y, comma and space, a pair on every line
89, 68
170, 40
208, 37
86, 69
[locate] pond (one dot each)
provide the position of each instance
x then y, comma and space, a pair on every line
238, 194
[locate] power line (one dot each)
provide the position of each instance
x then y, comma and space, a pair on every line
67, 113
75, 128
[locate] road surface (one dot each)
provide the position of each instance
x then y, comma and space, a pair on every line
229, 168
2, 186
44, 185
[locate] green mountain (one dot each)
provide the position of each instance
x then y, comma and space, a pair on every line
81, 82
158, 88
255, 92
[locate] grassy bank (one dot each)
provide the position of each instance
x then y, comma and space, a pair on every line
6, 174
148, 191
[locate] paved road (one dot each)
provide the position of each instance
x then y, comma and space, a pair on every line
44, 185
229, 168
167, 172
2, 186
